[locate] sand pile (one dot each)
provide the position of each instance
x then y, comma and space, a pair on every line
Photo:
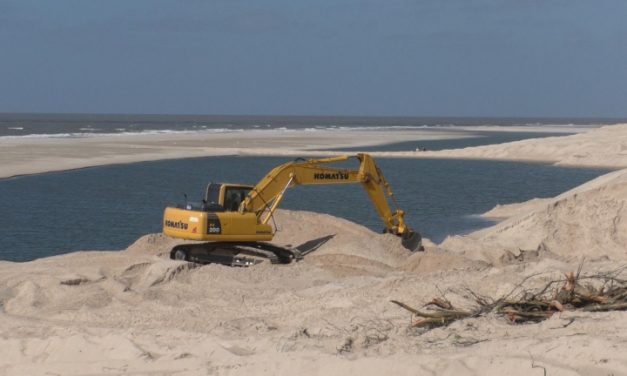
352, 250
589, 221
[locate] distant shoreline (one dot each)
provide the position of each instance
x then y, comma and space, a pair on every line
27, 156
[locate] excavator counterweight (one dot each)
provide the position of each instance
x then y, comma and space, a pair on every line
233, 219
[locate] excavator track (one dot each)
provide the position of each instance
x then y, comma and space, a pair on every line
234, 254
244, 254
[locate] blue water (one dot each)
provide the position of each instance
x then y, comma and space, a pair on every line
90, 125
109, 207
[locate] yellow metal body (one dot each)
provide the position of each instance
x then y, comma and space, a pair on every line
247, 219
229, 224
221, 226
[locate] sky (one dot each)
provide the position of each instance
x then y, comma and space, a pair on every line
522, 58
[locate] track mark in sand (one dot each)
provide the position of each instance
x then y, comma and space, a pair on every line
136, 267
165, 271
84, 277
130, 274
239, 351
183, 355
74, 281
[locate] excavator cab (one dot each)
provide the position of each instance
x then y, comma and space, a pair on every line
225, 197
217, 218
234, 196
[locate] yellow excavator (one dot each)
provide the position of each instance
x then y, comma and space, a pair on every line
233, 219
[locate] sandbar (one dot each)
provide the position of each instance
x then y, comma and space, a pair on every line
31, 155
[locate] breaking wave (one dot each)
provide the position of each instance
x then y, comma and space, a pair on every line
121, 133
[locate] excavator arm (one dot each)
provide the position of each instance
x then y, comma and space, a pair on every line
266, 196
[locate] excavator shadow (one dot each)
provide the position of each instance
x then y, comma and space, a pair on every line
312, 245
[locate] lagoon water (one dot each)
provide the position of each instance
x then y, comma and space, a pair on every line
479, 138
107, 208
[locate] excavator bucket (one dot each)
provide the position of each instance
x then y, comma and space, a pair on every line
412, 241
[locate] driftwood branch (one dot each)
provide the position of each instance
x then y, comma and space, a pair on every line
440, 317
602, 292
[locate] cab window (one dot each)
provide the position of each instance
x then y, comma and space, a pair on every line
212, 196
233, 197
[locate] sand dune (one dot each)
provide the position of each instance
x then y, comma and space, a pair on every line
589, 221
602, 147
136, 311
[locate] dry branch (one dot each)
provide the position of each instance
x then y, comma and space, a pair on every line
439, 317
602, 292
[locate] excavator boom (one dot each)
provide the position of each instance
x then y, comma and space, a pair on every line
269, 192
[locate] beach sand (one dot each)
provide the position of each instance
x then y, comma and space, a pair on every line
135, 311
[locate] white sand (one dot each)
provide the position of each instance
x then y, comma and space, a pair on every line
137, 312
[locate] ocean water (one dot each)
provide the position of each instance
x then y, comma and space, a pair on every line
93, 125
109, 207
